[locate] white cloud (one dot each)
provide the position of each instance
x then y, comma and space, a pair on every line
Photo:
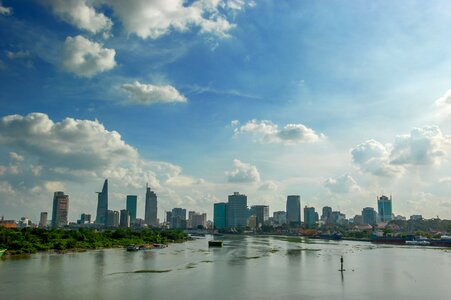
86, 58
6, 188
18, 54
148, 94
80, 14
445, 180
243, 173
16, 157
444, 104
342, 184
54, 186
421, 147
6, 11
267, 132
268, 186
152, 19
184, 181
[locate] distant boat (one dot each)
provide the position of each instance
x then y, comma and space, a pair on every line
327, 236
159, 246
396, 240
132, 247
215, 243
444, 241
418, 243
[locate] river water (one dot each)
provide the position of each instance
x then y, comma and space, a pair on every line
245, 268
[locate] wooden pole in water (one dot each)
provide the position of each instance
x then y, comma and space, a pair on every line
341, 262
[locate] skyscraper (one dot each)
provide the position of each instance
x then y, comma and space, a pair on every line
327, 214
309, 217
237, 211
112, 218
150, 215
262, 214
60, 209
384, 207
178, 218
130, 206
102, 205
220, 215
294, 210
124, 219
43, 219
369, 216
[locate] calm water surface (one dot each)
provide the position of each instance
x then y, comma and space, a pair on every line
245, 268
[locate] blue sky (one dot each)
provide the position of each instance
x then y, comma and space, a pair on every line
336, 101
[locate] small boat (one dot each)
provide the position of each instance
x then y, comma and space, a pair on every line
159, 246
215, 243
418, 243
132, 247
2, 251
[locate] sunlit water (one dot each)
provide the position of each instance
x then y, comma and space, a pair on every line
245, 268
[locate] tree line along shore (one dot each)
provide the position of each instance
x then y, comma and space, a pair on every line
32, 240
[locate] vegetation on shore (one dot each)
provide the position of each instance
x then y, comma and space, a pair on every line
32, 240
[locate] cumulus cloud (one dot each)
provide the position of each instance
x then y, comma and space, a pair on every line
444, 104
268, 186
148, 94
82, 15
267, 132
422, 146
16, 157
6, 11
18, 54
86, 58
342, 184
152, 19
243, 173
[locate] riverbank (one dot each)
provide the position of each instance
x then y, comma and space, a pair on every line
28, 241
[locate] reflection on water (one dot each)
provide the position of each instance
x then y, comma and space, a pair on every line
246, 267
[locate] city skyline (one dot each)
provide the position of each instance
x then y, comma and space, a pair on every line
337, 102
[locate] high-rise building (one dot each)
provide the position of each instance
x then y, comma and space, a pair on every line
327, 214
262, 214
237, 211
309, 217
280, 217
168, 218
198, 219
131, 207
43, 219
102, 204
60, 209
369, 216
384, 207
294, 210
190, 218
150, 214
112, 218
84, 219
178, 218
220, 215
124, 219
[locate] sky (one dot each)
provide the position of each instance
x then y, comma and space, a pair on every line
336, 101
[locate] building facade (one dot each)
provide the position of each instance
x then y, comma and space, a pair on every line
43, 219
131, 206
262, 214
309, 217
178, 218
220, 215
151, 210
60, 209
237, 211
327, 214
369, 216
124, 219
102, 204
280, 217
293, 210
384, 208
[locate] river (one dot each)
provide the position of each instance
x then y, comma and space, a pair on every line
244, 268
